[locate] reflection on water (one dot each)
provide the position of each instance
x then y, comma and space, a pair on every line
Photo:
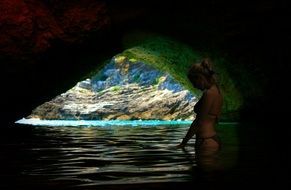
101, 123
54, 157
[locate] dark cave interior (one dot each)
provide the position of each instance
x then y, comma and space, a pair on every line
253, 35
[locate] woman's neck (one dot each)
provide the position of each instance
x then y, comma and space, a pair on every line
209, 86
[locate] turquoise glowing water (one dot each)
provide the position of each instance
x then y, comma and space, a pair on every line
99, 123
104, 123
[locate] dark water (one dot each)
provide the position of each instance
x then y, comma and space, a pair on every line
116, 157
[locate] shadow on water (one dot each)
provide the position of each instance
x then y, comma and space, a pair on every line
115, 158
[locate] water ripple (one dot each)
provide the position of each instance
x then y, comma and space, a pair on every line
99, 156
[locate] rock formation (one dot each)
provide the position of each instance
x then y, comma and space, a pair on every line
123, 90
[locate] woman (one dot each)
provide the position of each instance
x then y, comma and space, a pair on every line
207, 109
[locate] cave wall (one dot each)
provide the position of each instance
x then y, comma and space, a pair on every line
46, 46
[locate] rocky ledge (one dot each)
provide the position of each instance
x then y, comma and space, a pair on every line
124, 90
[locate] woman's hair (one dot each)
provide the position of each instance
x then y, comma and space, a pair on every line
203, 68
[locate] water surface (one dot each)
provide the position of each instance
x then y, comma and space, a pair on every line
108, 157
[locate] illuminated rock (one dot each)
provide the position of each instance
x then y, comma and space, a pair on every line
127, 90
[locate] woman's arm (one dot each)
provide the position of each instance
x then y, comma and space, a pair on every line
206, 103
191, 131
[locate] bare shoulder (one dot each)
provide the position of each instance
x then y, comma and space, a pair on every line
212, 92
209, 95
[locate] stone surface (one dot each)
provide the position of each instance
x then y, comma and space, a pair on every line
122, 90
30, 27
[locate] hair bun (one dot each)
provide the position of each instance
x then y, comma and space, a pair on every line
206, 63
207, 66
